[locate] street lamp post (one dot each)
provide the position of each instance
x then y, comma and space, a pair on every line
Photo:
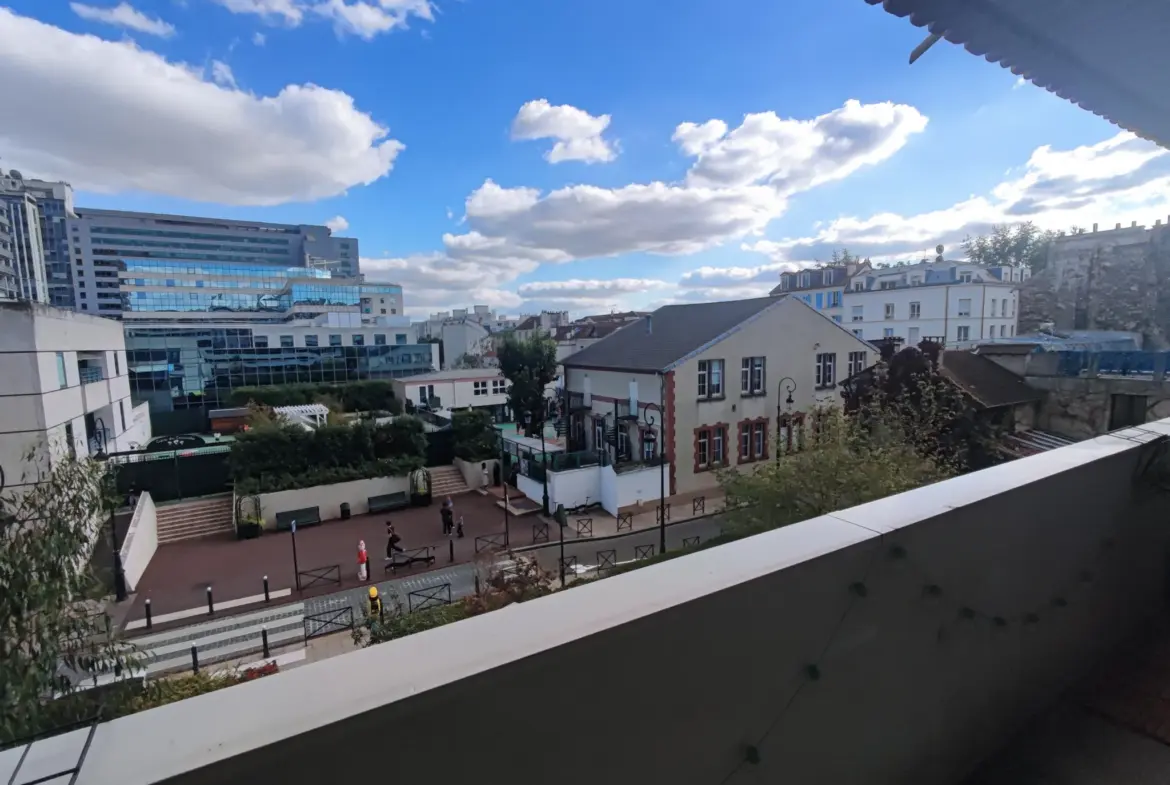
504, 483
296, 567
787, 384
651, 421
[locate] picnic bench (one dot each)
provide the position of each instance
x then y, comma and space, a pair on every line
389, 501
309, 516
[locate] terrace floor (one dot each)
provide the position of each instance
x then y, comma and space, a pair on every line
1112, 730
179, 574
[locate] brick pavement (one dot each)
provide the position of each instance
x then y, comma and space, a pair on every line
179, 573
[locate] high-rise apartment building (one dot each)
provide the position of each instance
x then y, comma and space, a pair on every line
37, 212
9, 287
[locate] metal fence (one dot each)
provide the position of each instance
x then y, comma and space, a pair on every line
327, 622
319, 576
429, 598
489, 542
539, 532
625, 521
173, 475
699, 505
643, 551
410, 557
584, 527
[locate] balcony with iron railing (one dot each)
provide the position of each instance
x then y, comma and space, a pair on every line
900, 641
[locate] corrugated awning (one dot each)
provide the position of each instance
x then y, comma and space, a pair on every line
1109, 58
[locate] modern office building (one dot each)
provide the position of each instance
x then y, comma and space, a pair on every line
37, 212
65, 384
107, 243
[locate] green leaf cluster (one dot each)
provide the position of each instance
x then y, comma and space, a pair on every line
374, 395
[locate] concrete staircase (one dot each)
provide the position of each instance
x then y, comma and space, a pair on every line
206, 517
446, 481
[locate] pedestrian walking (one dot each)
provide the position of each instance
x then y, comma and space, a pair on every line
459, 528
392, 540
363, 562
448, 517
487, 475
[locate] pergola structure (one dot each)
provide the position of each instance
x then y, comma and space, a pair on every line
1110, 58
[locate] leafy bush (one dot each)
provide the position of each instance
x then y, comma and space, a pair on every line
366, 396
475, 438
283, 457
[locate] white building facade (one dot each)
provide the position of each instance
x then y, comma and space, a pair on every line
449, 390
38, 212
64, 382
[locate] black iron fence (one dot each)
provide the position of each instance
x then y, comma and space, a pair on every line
664, 510
625, 521
172, 475
319, 576
489, 542
568, 565
539, 532
643, 551
699, 505
584, 527
690, 542
429, 598
606, 560
327, 622
409, 558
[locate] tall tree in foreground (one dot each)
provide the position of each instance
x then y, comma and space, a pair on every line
50, 635
529, 365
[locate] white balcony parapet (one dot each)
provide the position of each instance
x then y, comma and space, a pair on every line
670, 673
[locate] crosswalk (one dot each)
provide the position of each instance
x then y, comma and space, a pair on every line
220, 639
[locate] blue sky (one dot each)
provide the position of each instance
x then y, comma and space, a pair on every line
423, 133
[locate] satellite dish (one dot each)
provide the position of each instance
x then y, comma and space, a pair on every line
938, 249
15, 175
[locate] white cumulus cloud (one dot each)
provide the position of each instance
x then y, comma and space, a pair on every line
290, 12
577, 134
161, 127
365, 19
221, 74
124, 15
259, 39
337, 224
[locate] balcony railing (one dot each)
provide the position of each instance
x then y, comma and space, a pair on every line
90, 374
941, 619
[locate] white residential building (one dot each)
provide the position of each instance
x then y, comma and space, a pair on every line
64, 382
955, 302
715, 378
480, 388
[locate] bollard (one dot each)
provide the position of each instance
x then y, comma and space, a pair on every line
476, 585
451, 550
266, 597
149, 622
210, 603
194, 659
264, 642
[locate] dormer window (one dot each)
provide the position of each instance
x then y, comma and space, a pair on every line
805, 279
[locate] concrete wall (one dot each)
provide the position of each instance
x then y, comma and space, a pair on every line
141, 541
633, 487
703, 655
575, 487
330, 498
532, 489
472, 471
1080, 408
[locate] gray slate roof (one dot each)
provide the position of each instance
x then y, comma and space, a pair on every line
653, 342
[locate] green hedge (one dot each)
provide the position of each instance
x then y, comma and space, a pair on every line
367, 396
282, 458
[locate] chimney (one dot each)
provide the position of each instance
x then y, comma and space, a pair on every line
649, 324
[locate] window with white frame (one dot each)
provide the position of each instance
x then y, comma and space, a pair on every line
888, 332
760, 439
888, 285
623, 441
964, 333
598, 434
964, 277
745, 442
1002, 330
805, 280
710, 378
991, 331
751, 376
889, 310
703, 449
718, 445
857, 313
422, 394
915, 310
912, 339
993, 304
479, 388
499, 386
826, 369
859, 286
965, 306
856, 362
1003, 309
834, 300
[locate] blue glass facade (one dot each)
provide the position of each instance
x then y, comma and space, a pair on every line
183, 368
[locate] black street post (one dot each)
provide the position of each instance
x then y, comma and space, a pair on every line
544, 469
119, 570
296, 567
781, 387
561, 526
504, 483
651, 421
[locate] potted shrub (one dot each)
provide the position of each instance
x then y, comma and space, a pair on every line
249, 528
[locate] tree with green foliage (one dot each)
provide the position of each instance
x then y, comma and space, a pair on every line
51, 637
1019, 245
529, 365
475, 437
